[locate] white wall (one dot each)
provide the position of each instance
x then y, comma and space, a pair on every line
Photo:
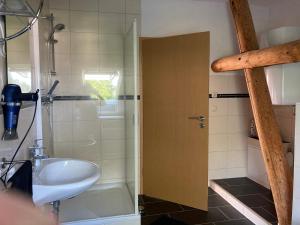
172, 17
284, 13
296, 193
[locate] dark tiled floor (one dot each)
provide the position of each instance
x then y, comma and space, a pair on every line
159, 212
251, 194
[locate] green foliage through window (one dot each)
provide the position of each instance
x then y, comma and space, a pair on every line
104, 85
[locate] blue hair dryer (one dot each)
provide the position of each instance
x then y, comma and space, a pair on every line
11, 102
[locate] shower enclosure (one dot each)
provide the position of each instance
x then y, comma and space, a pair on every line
91, 48
95, 118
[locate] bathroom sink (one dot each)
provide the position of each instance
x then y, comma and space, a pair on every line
58, 179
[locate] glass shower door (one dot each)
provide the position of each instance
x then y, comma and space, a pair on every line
98, 122
131, 112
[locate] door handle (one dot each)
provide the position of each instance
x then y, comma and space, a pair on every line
200, 118
201, 125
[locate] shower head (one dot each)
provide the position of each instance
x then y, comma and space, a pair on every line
58, 27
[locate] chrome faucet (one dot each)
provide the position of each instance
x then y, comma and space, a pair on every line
37, 153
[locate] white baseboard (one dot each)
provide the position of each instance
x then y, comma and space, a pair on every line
238, 205
117, 220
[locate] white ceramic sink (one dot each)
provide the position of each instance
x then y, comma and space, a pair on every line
59, 179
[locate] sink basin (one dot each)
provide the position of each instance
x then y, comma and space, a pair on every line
58, 179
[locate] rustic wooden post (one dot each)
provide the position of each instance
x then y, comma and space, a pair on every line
268, 131
280, 54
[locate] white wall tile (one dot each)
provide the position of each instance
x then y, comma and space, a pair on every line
113, 169
63, 131
238, 106
218, 107
113, 149
59, 4
132, 6
237, 159
84, 63
111, 44
115, 6
84, 43
79, 85
218, 125
217, 174
86, 5
238, 124
84, 22
112, 129
62, 64
86, 131
62, 111
236, 172
87, 150
86, 110
111, 23
217, 160
63, 149
237, 142
111, 62
63, 44
61, 16
218, 142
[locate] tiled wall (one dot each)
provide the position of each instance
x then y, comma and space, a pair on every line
92, 43
82, 130
228, 128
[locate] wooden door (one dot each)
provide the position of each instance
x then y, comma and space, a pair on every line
175, 118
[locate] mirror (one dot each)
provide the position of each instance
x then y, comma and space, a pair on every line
18, 54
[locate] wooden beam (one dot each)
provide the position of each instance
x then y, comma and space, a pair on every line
280, 54
268, 131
